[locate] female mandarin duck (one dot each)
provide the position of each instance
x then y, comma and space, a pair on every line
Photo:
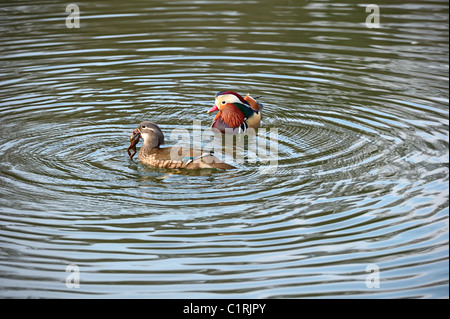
169, 157
236, 113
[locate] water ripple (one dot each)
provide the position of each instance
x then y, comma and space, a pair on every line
361, 176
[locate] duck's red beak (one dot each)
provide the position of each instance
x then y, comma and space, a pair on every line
213, 109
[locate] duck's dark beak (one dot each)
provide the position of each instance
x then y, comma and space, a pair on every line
213, 109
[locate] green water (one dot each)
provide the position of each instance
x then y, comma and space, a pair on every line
361, 172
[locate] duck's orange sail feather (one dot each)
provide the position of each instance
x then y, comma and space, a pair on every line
252, 102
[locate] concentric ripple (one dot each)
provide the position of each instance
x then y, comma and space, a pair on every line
359, 179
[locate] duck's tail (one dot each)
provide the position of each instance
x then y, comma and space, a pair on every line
207, 160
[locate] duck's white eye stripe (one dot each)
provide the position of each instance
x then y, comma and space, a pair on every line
143, 126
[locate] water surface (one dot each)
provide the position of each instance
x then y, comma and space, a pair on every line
361, 178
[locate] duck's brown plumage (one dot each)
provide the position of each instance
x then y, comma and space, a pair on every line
176, 157
231, 116
153, 155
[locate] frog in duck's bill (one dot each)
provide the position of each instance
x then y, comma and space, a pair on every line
134, 139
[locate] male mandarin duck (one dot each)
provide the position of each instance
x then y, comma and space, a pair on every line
236, 113
169, 157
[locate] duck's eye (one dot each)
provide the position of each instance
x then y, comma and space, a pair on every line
224, 102
143, 126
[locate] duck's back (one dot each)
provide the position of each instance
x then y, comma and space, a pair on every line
179, 157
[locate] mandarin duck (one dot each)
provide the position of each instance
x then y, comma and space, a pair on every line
236, 113
152, 154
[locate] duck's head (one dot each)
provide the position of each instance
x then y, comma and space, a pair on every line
151, 133
225, 97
